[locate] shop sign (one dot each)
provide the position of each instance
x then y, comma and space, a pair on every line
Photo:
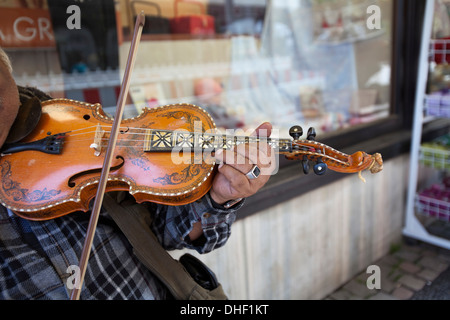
25, 28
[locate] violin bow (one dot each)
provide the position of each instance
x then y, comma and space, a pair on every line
75, 294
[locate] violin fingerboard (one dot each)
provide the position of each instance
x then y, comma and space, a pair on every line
166, 141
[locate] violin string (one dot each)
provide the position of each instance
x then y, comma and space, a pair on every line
253, 139
130, 130
138, 131
106, 140
158, 133
122, 141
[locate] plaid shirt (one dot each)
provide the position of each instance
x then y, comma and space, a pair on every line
35, 255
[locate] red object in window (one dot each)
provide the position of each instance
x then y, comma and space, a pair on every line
117, 92
198, 24
91, 96
441, 50
325, 24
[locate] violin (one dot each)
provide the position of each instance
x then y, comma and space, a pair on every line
55, 169
77, 153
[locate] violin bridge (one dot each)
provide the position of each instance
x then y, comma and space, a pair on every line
97, 145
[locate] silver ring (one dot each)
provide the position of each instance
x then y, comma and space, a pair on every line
254, 173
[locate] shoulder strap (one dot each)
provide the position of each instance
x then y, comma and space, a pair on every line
149, 251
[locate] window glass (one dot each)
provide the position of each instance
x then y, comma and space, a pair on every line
320, 63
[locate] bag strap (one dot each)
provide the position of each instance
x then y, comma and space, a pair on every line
131, 220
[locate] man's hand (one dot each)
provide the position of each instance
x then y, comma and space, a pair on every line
231, 181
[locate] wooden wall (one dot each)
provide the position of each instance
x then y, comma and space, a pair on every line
309, 246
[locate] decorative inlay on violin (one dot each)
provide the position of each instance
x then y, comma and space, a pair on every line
55, 170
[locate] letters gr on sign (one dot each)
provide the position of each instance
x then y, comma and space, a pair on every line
25, 28
32, 28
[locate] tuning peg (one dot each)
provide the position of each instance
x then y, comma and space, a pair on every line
295, 132
320, 168
311, 135
305, 165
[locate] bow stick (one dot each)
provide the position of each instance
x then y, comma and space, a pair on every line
75, 295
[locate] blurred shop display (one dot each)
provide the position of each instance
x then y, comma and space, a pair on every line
155, 22
437, 100
332, 83
208, 93
437, 103
197, 24
337, 21
238, 17
226, 17
434, 200
94, 45
428, 200
88, 51
314, 63
436, 154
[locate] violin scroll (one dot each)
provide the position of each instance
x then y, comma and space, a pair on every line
377, 163
326, 157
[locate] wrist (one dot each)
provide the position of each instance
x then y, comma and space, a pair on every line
217, 198
227, 203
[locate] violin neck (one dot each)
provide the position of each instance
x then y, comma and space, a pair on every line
167, 140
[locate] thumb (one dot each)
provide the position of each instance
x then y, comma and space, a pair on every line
263, 130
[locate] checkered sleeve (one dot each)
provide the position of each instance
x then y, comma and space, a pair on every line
172, 224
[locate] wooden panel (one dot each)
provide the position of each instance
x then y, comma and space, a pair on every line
307, 247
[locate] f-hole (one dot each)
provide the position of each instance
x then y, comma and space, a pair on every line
71, 183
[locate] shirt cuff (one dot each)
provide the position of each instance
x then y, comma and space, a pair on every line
224, 208
216, 223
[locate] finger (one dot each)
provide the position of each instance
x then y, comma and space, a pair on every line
238, 161
257, 153
243, 164
244, 157
263, 155
263, 130
231, 157
239, 183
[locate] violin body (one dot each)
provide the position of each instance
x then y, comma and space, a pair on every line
39, 185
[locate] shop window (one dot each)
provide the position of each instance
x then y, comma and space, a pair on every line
321, 63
